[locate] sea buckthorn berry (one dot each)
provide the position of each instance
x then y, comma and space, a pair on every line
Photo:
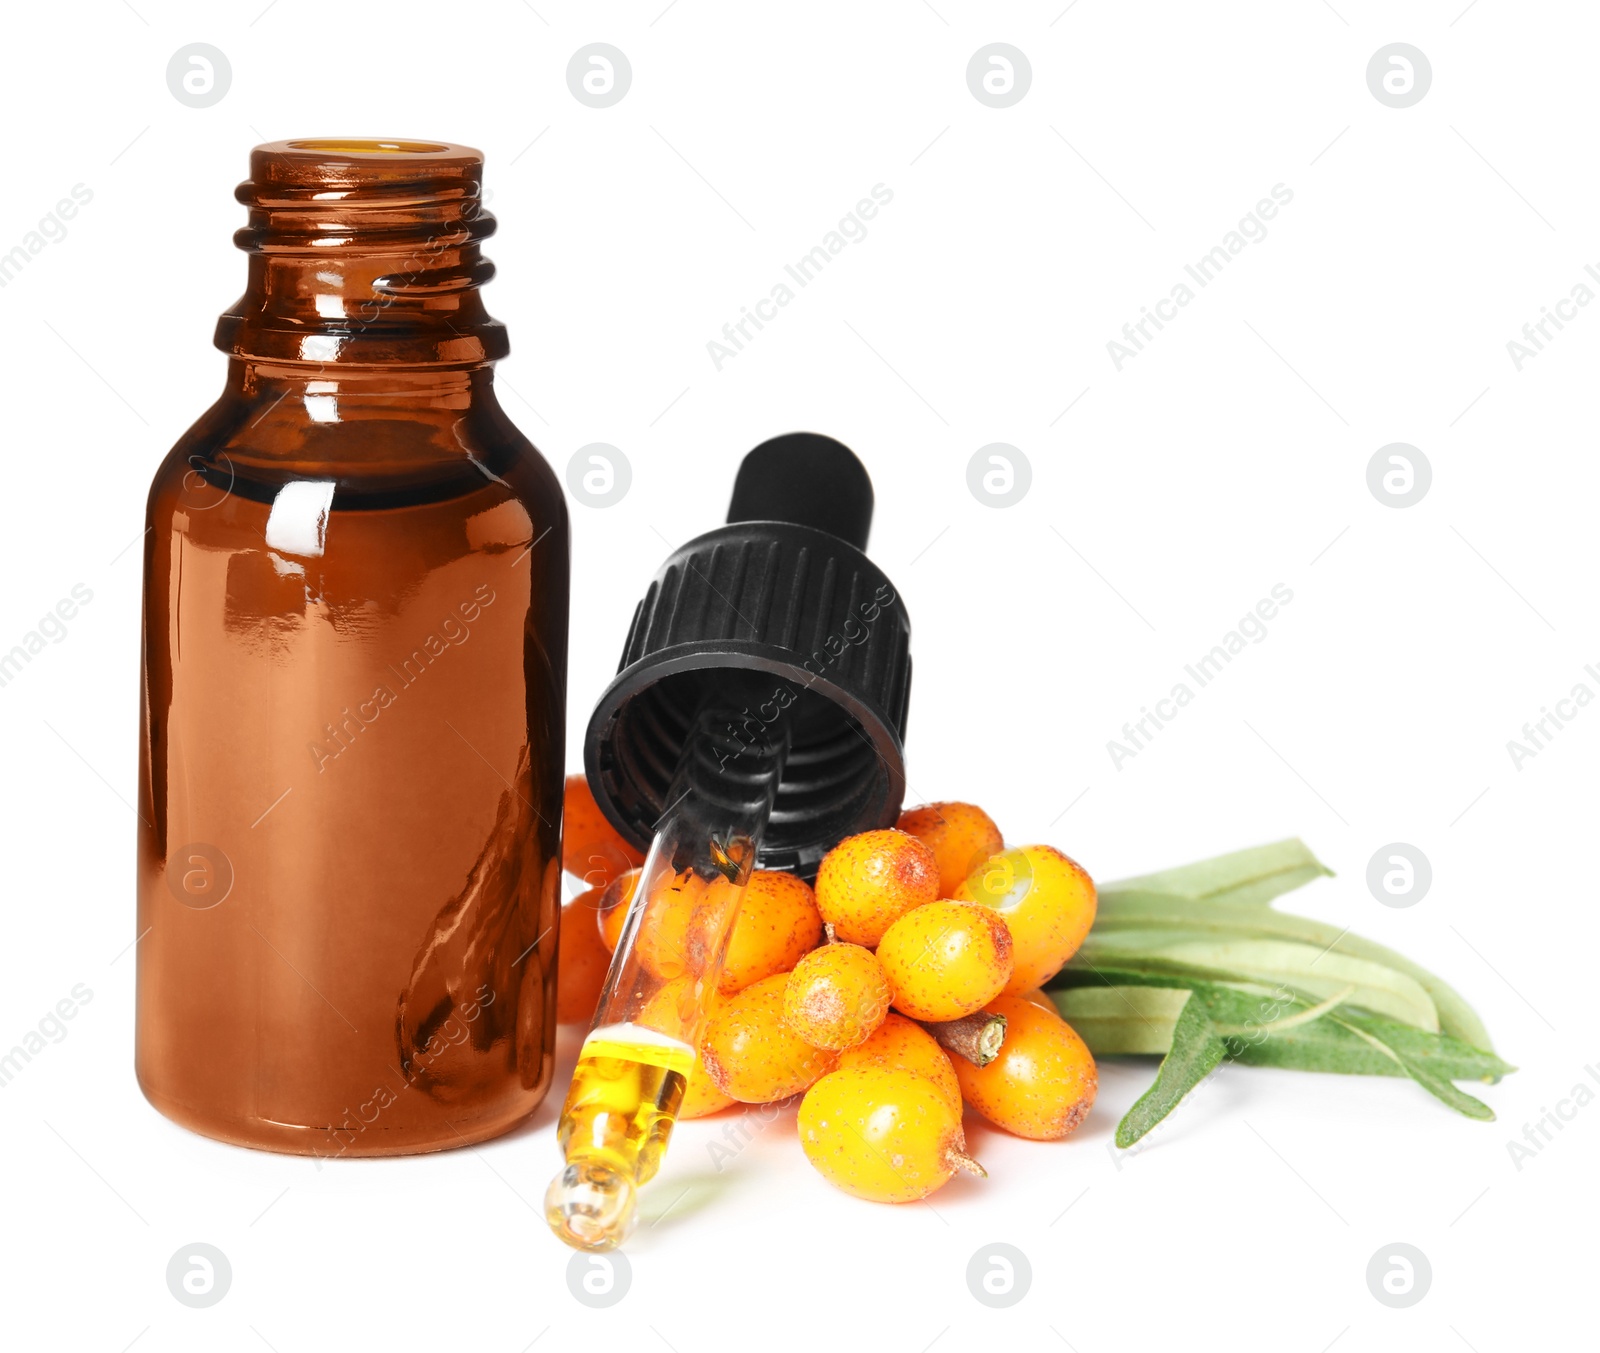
591, 848
614, 903
778, 925
752, 1055
868, 881
1047, 902
960, 835
701, 1098
903, 1044
945, 960
1037, 996
663, 940
1042, 1084
674, 1010
582, 960
836, 996
882, 1134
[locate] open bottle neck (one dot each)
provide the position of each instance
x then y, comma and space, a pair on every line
363, 254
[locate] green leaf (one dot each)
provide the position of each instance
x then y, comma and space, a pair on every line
1122, 1019
1419, 1067
1333, 1047
1455, 1016
1303, 968
1243, 878
1273, 1028
1195, 1053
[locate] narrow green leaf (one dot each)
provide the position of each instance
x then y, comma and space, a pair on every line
1419, 1070
1195, 1053
1303, 1014
1250, 877
1303, 968
1115, 1020
1455, 1016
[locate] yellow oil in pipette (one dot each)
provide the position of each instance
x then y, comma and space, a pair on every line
634, 1067
626, 1092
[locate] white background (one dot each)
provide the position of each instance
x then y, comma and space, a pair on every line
1166, 499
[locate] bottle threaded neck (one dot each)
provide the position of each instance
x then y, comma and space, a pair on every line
364, 252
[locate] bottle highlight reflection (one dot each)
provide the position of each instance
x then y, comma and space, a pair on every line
354, 681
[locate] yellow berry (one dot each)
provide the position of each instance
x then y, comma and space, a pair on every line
752, 1055
945, 960
1047, 902
904, 1044
867, 881
882, 1134
1042, 1084
836, 996
960, 835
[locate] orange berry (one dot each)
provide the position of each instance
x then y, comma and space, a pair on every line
752, 1055
582, 960
1040, 998
960, 835
868, 881
904, 1044
613, 910
674, 1010
882, 1134
663, 940
591, 847
1047, 902
778, 925
1044, 1080
945, 960
836, 996
701, 1098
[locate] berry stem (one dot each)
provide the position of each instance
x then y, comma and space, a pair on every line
977, 1037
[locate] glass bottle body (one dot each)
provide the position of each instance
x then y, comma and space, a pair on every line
351, 764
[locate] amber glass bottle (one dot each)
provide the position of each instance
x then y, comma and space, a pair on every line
352, 715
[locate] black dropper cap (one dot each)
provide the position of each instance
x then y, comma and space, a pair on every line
779, 614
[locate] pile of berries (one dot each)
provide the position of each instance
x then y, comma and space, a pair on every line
927, 936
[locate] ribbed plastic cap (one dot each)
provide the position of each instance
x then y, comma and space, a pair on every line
784, 590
